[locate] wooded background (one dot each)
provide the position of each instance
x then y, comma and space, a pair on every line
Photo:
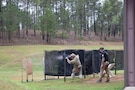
51, 19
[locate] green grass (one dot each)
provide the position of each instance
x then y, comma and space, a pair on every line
76, 85
10, 69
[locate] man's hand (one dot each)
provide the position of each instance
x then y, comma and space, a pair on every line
107, 63
66, 58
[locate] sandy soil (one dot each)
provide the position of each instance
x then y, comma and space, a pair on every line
117, 78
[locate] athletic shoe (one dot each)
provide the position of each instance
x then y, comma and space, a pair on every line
107, 81
99, 81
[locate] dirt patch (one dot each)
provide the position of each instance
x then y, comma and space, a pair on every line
117, 78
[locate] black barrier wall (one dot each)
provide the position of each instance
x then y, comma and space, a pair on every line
88, 63
54, 62
51, 62
96, 61
119, 59
56, 65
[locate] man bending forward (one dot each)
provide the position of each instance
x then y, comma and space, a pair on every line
77, 67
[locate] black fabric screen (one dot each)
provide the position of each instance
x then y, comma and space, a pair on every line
119, 59
88, 62
55, 61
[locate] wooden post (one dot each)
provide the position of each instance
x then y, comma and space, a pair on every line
23, 67
64, 67
129, 42
29, 70
22, 74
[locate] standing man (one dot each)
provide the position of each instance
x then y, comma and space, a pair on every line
77, 67
104, 65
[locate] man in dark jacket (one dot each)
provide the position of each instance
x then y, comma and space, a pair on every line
104, 65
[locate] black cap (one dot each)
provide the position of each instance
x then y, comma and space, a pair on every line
101, 48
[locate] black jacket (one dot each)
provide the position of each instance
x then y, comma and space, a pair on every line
104, 54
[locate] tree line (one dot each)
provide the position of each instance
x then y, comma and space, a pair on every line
82, 17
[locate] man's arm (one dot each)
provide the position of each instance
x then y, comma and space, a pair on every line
68, 60
103, 59
71, 61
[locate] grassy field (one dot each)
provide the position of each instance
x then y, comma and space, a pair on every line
10, 69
